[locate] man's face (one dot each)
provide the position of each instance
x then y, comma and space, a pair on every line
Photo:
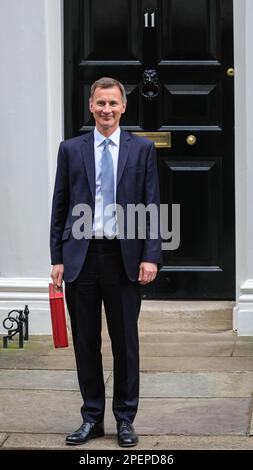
107, 106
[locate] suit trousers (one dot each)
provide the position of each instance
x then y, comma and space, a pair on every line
103, 278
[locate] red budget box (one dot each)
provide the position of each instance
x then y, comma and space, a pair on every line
58, 317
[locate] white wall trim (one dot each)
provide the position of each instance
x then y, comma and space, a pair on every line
15, 293
24, 288
243, 312
55, 84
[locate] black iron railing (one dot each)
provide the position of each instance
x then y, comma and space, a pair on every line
16, 324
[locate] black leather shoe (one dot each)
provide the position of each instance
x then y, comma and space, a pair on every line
127, 436
85, 432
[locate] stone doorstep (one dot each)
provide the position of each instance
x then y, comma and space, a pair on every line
186, 316
184, 305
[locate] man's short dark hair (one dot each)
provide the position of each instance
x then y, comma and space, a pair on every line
108, 82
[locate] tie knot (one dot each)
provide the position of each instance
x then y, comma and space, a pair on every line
106, 142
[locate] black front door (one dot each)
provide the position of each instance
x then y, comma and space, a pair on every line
175, 58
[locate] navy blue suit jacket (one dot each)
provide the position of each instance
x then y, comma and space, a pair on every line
137, 182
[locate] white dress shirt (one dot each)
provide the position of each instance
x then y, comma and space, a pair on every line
98, 148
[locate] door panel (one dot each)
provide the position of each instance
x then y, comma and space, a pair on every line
190, 30
184, 48
112, 32
191, 104
199, 237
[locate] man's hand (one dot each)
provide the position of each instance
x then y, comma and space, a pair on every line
147, 272
57, 275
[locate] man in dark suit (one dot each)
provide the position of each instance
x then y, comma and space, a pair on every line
113, 166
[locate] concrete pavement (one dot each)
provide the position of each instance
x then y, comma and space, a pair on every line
196, 392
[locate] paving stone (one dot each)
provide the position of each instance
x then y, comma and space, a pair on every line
193, 384
243, 348
244, 339
57, 441
3, 438
40, 379
58, 412
36, 345
62, 351
193, 363
187, 349
46, 356
37, 362
62, 362
182, 349
39, 411
202, 416
174, 344
251, 425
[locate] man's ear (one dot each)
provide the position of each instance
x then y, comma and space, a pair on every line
90, 105
124, 105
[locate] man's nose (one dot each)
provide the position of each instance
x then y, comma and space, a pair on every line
107, 108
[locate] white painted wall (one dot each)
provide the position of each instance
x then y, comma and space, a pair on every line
31, 123
243, 20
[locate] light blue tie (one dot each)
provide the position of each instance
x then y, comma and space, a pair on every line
107, 188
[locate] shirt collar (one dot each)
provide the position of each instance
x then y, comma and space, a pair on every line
114, 137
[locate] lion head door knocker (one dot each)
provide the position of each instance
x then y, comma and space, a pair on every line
150, 86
